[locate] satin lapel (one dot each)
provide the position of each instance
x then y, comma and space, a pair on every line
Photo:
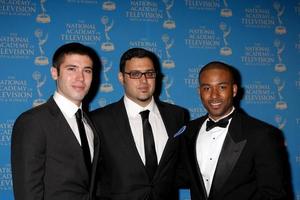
230, 153
192, 135
122, 122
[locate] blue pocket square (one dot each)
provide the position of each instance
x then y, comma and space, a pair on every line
180, 131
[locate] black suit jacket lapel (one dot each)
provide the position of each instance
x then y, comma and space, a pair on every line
171, 128
123, 124
172, 143
96, 152
231, 150
67, 133
168, 147
61, 122
192, 135
163, 110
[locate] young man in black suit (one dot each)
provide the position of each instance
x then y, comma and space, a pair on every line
128, 169
52, 158
228, 154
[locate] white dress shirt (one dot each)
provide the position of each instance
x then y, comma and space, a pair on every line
158, 128
69, 109
208, 148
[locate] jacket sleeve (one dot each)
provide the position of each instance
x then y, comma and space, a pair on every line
269, 166
28, 158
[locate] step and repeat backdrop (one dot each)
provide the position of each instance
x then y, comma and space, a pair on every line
260, 38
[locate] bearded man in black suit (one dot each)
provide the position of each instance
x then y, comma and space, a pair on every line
128, 170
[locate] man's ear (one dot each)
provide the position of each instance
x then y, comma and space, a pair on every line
121, 78
235, 89
54, 73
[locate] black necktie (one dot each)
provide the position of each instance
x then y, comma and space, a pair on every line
210, 124
150, 153
84, 141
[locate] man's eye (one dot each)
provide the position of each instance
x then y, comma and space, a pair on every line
223, 87
71, 68
135, 74
88, 71
205, 88
149, 73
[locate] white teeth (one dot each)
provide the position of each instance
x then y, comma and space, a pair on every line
215, 104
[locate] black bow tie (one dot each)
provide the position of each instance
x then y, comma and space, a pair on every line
210, 124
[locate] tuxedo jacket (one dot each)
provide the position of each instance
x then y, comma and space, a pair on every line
122, 174
249, 166
47, 159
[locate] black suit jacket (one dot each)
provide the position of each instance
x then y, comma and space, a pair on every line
47, 160
249, 165
122, 174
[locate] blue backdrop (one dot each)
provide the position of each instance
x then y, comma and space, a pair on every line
260, 38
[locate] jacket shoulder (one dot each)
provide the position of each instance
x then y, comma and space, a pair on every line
170, 106
35, 112
174, 109
253, 122
104, 109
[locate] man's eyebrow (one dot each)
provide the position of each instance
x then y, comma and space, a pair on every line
224, 82
71, 65
204, 84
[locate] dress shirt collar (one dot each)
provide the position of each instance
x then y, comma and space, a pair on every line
65, 105
133, 109
233, 108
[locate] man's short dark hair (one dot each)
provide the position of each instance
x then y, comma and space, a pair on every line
138, 53
218, 65
71, 48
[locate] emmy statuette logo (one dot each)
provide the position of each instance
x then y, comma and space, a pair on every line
280, 104
279, 67
37, 76
169, 23
168, 62
280, 29
42, 59
107, 45
168, 82
43, 17
108, 6
226, 12
106, 86
225, 50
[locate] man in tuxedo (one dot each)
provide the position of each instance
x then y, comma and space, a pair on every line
228, 154
130, 170
55, 148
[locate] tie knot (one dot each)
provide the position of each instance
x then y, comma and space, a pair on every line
210, 124
145, 114
78, 114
